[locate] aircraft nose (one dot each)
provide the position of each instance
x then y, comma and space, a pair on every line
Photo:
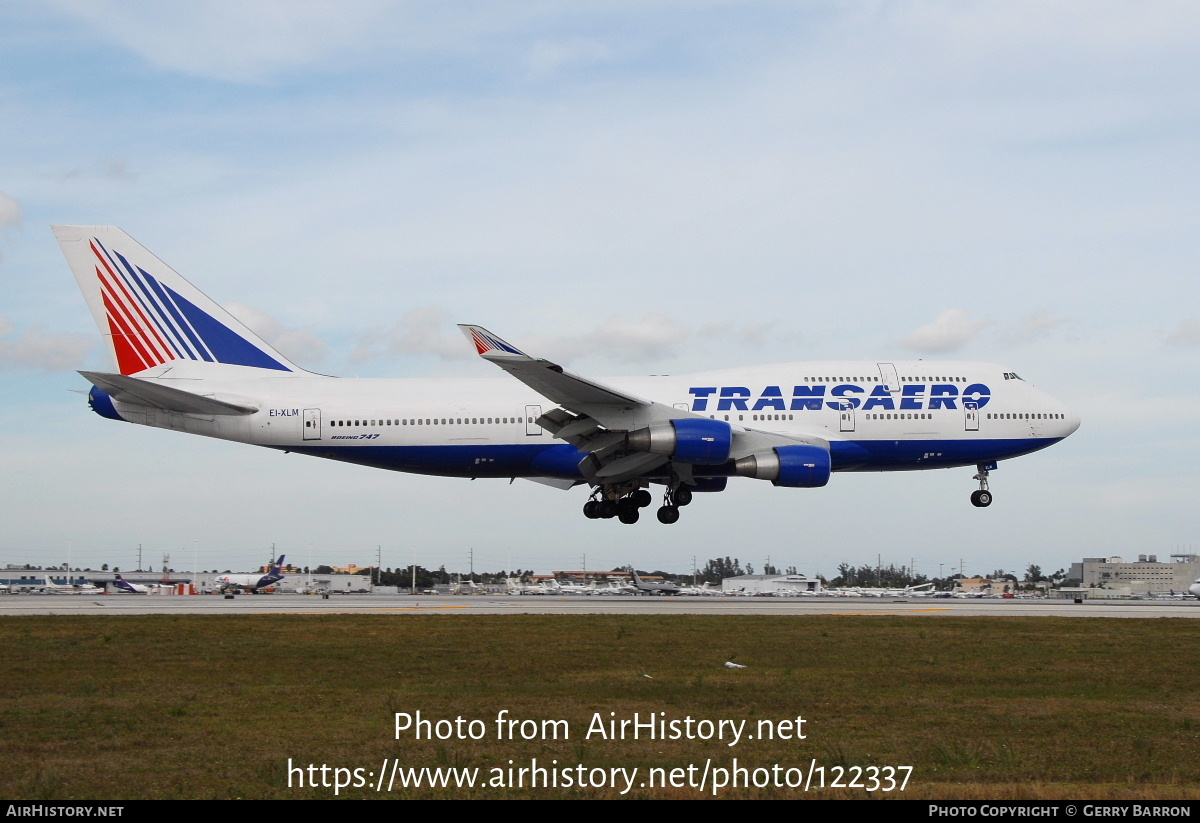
1071, 422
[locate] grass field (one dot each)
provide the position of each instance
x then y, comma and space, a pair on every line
213, 707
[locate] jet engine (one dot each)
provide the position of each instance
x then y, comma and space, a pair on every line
803, 467
688, 440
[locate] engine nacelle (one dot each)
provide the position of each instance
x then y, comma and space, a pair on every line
102, 404
688, 440
805, 467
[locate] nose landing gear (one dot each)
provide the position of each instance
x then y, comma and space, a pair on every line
983, 497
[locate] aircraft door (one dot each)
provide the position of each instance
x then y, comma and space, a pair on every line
888, 376
532, 429
846, 417
312, 424
971, 415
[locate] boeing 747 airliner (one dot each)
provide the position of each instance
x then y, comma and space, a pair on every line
184, 363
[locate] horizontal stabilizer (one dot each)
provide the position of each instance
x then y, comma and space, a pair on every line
152, 393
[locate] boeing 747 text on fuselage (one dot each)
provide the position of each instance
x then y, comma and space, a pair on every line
184, 363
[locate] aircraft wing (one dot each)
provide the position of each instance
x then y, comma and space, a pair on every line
548, 379
150, 393
598, 419
594, 418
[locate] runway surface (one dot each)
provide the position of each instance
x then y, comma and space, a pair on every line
32, 604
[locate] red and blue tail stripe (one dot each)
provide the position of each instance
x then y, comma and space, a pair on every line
152, 324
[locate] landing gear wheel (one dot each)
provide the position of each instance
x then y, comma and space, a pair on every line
608, 508
681, 496
642, 497
982, 498
591, 509
629, 515
668, 514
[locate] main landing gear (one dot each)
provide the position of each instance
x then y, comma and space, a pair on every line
625, 503
982, 498
673, 500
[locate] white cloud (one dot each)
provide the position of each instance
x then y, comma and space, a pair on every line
10, 211
1187, 333
652, 338
298, 345
547, 59
1031, 328
428, 330
950, 331
230, 39
109, 168
35, 348
748, 334
431, 330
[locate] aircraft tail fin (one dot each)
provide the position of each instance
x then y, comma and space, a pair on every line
274, 572
148, 313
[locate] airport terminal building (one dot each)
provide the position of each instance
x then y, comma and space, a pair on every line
1145, 576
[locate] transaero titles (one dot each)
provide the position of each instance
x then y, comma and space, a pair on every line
844, 395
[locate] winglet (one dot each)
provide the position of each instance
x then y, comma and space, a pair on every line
489, 346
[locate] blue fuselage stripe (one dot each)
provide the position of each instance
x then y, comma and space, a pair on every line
561, 460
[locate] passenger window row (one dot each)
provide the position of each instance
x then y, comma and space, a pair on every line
1025, 416
430, 421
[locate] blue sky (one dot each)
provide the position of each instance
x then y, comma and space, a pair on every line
627, 189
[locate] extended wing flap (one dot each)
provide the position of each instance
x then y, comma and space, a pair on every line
150, 393
554, 482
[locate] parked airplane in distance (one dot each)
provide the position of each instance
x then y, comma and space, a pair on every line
650, 587
514, 586
252, 582
184, 363
1195, 588
68, 588
124, 585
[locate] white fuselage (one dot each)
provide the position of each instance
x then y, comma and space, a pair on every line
902, 415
